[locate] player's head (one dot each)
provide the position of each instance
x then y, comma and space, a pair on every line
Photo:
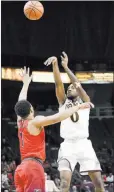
24, 109
72, 92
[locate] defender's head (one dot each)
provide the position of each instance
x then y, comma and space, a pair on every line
72, 93
24, 109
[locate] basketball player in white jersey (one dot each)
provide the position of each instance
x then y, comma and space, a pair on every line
74, 130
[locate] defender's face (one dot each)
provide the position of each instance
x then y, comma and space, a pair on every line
72, 92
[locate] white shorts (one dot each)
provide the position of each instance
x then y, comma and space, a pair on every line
80, 151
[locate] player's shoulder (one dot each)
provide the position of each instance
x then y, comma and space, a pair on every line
65, 102
62, 105
32, 129
36, 119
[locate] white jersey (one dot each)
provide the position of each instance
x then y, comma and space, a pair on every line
70, 129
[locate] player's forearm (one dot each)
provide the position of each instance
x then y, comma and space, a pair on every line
72, 77
82, 93
56, 73
53, 119
23, 93
67, 113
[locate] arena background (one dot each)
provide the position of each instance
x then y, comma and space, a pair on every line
85, 31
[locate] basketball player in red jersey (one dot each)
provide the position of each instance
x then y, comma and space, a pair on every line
29, 175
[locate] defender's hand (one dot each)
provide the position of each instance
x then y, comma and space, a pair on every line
25, 74
51, 60
86, 105
64, 59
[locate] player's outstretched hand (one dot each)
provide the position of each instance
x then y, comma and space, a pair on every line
64, 59
77, 84
25, 74
50, 60
86, 105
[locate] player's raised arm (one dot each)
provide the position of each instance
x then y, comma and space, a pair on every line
58, 117
26, 78
60, 91
82, 93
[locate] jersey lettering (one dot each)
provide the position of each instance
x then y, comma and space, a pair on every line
72, 117
68, 106
77, 125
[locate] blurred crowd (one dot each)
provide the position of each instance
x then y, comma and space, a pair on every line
8, 166
78, 183
105, 154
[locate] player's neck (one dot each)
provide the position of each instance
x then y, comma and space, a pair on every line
28, 118
74, 99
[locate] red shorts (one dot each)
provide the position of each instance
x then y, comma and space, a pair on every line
29, 177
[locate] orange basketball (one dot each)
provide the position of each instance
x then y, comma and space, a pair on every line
33, 10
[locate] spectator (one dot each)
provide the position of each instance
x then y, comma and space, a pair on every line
4, 142
5, 181
110, 178
57, 182
3, 163
74, 188
104, 147
3, 158
11, 164
6, 149
49, 109
104, 177
86, 185
54, 163
50, 185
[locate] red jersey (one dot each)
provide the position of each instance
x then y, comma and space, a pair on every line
30, 145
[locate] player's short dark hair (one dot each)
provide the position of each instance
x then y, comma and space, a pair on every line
22, 108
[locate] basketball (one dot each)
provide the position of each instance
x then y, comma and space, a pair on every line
33, 10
